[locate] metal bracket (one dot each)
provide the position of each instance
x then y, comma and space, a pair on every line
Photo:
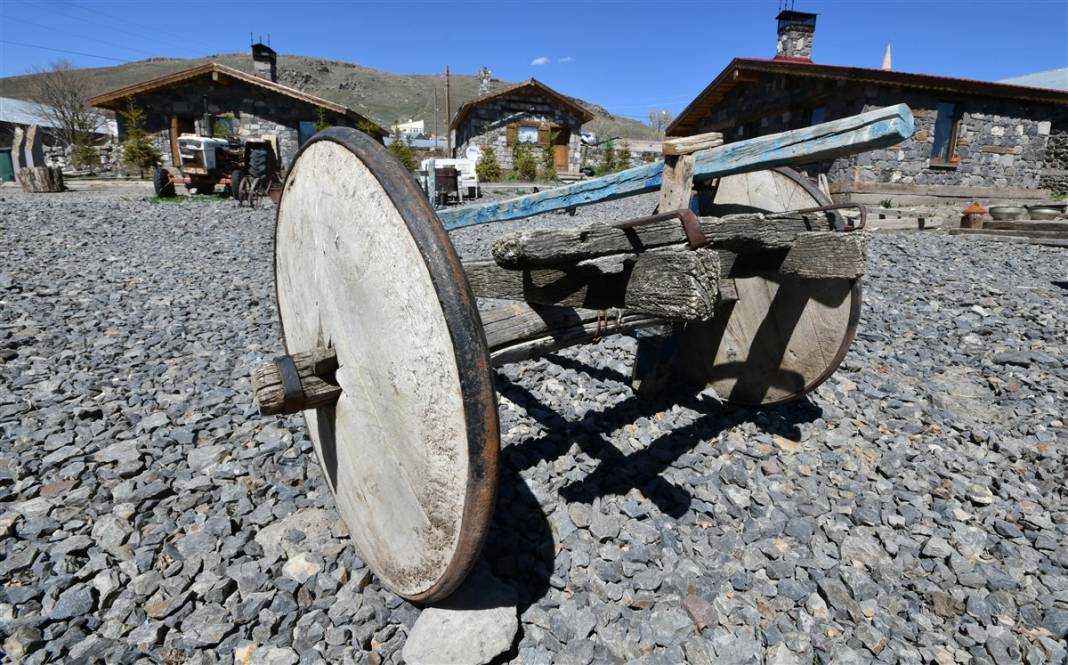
840, 206
691, 225
292, 388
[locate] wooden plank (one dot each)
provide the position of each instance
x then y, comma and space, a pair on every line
1025, 225
746, 232
867, 131
676, 186
681, 285
1022, 233
691, 144
519, 331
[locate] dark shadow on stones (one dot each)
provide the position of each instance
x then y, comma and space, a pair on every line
618, 472
596, 373
1060, 285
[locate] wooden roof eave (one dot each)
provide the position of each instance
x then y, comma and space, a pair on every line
584, 114
114, 100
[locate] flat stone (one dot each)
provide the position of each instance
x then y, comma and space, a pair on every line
471, 627
74, 602
301, 567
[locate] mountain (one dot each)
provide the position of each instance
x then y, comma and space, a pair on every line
383, 96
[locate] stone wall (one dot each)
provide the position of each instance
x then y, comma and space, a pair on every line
255, 112
1055, 167
1001, 143
487, 125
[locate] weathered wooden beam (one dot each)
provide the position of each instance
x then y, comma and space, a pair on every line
681, 285
866, 131
315, 369
518, 331
691, 144
545, 247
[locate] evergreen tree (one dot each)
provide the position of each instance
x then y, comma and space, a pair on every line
608, 159
623, 157
138, 151
401, 148
487, 168
321, 122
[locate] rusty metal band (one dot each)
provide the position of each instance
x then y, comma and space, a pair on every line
841, 206
691, 225
292, 388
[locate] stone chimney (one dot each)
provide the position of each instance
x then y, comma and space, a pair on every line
483, 81
796, 30
265, 62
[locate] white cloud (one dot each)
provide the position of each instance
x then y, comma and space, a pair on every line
540, 61
566, 58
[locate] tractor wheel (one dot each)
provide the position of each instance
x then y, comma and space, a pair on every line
235, 182
161, 183
257, 162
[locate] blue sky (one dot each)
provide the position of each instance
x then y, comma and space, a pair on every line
630, 57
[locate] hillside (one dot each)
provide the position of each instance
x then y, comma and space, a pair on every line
383, 96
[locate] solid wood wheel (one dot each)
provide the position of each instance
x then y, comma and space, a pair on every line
785, 335
410, 449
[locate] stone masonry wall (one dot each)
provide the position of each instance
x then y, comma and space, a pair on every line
256, 113
487, 124
1055, 168
1001, 143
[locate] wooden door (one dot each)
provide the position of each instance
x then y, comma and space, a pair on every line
560, 158
561, 138
180, 125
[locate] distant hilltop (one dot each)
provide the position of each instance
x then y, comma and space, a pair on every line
383, 96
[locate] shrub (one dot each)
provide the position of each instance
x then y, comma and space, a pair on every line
138, 151
608, 159
524, 163
83, 154
321, 122
401, 148
623, 157
487, 168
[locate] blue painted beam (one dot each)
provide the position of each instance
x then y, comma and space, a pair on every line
868, 131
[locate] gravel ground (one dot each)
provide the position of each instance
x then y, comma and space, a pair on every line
912, 510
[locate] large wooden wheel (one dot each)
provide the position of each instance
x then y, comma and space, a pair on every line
785, 335
410, 449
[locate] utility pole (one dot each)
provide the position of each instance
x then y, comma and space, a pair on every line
448, 115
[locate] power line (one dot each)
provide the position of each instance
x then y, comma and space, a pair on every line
74, 34
154, 29
59, 50
109, 26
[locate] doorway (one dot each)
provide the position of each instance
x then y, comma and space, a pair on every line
561, 138
180, 125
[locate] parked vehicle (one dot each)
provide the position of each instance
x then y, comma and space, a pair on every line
468, 186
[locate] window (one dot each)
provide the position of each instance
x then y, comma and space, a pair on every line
224, 126
819, 115
305, 131
947, 124
527, 134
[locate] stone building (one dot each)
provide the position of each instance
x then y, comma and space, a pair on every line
216, 100
974, 140
528, 113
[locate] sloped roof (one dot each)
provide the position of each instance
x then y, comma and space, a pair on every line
744, 70
116, 98
582, 112
22, 112
1053, 79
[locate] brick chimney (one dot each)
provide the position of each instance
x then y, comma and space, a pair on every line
796, 30
264, 62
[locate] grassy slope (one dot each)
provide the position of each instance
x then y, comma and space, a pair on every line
383, 96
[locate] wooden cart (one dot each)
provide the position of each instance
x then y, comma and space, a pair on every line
757, 295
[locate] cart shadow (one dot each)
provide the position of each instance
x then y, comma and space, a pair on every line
521, 545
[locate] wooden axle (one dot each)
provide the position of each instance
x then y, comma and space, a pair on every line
315, 371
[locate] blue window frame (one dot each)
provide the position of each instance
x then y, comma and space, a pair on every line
305, 131
945, 133
819, 115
